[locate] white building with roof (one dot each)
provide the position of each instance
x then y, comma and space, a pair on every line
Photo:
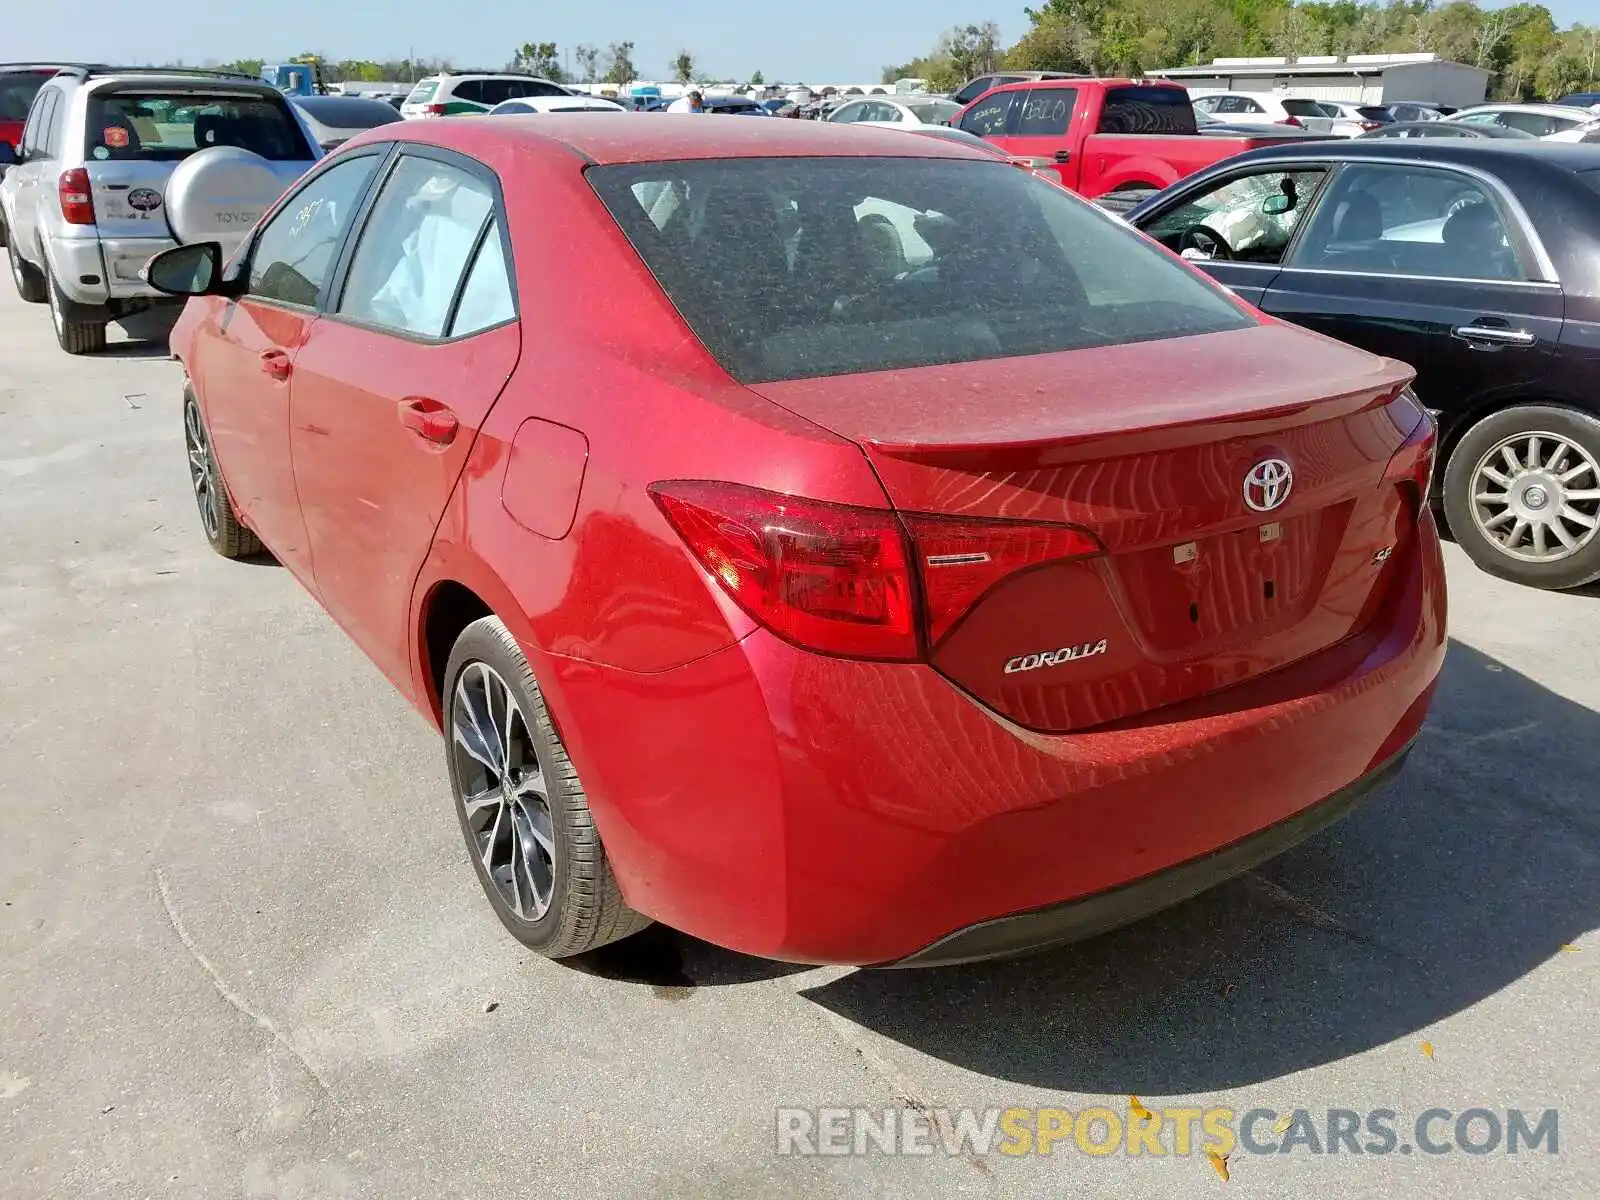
1360, 78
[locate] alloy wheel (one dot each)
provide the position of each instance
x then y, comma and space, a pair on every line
202, 471
502, 790
1536, 496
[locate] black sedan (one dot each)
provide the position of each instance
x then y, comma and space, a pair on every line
1477, 262
1446, 129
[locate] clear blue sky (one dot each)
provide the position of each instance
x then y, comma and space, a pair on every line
812, 40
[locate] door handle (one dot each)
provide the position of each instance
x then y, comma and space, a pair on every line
276, 364
429, 420
1492, 337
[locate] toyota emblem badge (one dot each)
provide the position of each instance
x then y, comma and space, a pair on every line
1267, 484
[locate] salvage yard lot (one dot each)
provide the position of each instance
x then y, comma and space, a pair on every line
241, 953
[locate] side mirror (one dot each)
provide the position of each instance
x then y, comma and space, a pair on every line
191, 270
1273, 206
8, 155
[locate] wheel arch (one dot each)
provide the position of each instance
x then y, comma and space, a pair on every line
1450, 435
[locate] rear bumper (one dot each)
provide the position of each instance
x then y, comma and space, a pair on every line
98, 271
1079, 919
823, 810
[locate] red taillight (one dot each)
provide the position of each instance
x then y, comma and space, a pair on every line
1368, 126
1414, 459
77, 202
839, 579
824, 576
1295, 121
434, 110
961, 560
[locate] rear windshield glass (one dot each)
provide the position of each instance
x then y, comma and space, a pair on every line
347, 112
164, 127
1373, 113
1307, 108
423, 92
17, 90
789, 268
1147, 110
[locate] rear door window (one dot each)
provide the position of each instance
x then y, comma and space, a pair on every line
415, 247
35, 135
1045, 112
988, 117
167, 126
1143, 109
294, 252
1404, 220
790, 268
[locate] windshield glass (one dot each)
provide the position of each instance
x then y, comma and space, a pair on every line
798, 267
347, 112
934, 112
166, 126
17, 90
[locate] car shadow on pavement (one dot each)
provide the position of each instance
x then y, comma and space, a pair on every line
1474, 868
136, 349
674, 963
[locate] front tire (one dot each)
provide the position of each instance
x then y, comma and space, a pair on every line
522, 811
218, 520
1522, 495
30, 283
74, 335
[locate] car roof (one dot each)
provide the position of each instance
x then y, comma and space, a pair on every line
1492, 154
1545, 110
609, 138
179, 82
1078, 79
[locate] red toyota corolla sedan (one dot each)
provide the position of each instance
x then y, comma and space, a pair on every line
840, 545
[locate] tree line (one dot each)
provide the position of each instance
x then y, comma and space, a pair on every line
1528, 56
587, 64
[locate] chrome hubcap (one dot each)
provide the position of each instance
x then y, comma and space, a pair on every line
202, 477
1536, 496
502, 791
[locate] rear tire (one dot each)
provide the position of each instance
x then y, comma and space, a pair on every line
74, 335
29, 282
1496, 509
218, 520
523, 813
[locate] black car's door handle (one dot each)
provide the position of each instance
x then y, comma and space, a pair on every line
1492, 337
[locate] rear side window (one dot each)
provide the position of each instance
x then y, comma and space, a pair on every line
36, 135
1045, 112
794, 268
1147, 110
486, 298
294, 251
168, 126
988, 117
423, 230
17, 90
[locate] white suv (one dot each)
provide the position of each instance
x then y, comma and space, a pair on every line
117, 165
469, 95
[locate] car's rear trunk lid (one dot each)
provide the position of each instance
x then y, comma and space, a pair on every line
1151, 448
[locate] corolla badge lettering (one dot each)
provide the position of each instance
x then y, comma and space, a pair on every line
1053, 658
1267, 484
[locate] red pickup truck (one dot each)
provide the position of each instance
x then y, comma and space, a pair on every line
1117, 138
